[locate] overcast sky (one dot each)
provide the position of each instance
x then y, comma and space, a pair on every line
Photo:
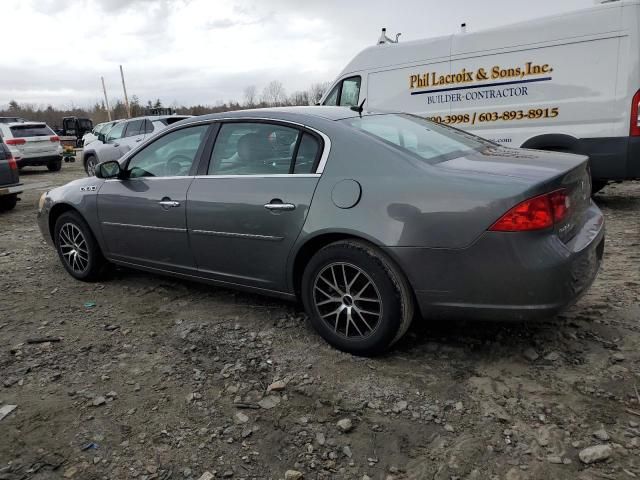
205, 51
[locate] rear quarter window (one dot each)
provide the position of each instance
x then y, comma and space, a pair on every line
22, 131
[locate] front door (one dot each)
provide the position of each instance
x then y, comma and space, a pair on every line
143, 215
246, 213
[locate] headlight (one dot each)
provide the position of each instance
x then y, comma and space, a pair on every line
43, 197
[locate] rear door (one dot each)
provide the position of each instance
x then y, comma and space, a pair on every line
34, 140
143, 215
246, 212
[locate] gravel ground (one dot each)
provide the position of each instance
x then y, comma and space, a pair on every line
158, 378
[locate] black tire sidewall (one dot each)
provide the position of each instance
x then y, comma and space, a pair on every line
95, 256
370, 261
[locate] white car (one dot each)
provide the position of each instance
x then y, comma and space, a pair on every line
124, 136
33, 144
92, 136
566, 83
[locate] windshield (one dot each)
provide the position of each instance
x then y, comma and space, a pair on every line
430, 142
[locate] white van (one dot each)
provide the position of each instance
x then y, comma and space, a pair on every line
569, 83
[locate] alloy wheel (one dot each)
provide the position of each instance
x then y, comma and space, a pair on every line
347, 300
73, 247
91, 166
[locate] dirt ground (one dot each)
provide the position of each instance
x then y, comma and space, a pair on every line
159, 378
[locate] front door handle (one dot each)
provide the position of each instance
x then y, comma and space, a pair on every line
275, 206
168, 203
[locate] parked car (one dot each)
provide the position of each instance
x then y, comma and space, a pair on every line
366, 218
33, 144
122, 137
92, 136
543, 84
10, 185
12, 120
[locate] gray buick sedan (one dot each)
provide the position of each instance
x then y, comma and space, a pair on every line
369, 219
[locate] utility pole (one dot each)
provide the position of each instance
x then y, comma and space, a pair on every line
126, 99
106, 100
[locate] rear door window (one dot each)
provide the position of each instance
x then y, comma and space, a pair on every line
253, 149
22, 131
134, 128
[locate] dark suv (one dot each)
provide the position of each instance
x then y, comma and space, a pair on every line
9, 179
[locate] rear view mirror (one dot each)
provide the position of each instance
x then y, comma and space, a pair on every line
109, 169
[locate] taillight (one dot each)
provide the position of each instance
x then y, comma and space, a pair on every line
537, 213
634, 131
15, 141
54, 139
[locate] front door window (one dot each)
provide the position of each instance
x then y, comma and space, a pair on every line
170, 156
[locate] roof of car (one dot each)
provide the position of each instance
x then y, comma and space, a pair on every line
154, 117
22, 124
328, 113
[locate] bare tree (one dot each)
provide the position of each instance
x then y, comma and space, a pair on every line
317, 90
250, 96
299, 98
274, 94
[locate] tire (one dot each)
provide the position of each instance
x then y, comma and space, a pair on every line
55, 165
90, 165
72, 234
8, 202
370, 289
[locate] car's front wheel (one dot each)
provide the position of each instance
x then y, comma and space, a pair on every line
90, 165
77, 247
356, 299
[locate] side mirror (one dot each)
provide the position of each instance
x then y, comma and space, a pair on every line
102, 138
109, 169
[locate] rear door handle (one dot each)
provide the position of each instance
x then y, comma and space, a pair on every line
279, 206
169, 203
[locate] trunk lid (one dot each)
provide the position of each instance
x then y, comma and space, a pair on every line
542, 172
37, 139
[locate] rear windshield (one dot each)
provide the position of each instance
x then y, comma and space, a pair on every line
20, 131
426, 140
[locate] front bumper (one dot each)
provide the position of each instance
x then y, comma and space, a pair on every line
506, 276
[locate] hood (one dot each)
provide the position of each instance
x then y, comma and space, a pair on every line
533, 165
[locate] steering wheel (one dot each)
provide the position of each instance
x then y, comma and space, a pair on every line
174, 167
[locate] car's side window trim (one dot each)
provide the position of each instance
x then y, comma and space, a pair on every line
196, 160
323, 142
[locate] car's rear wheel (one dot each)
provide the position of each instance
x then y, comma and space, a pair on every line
8, 202
54, 165
90, 165
77, 247
356, 299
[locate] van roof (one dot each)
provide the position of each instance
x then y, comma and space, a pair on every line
598, 19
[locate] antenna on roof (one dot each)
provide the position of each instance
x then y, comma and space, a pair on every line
384, 39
